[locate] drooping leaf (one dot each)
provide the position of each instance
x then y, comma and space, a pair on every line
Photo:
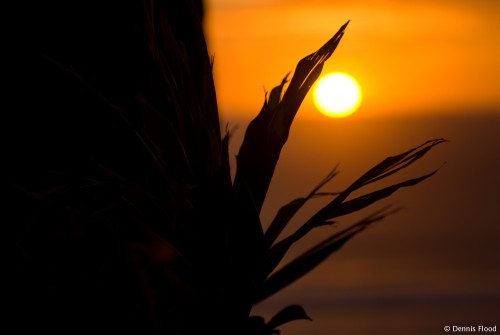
257, 326
287, 314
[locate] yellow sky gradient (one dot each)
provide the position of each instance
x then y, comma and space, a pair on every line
409, 57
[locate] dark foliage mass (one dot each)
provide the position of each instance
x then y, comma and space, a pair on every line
123, 213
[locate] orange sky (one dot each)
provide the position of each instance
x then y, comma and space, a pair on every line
438, 58
418, 56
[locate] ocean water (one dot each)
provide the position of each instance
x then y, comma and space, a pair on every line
434, 264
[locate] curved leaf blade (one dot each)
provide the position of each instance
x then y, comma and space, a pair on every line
286, 212
316, 255
338, 207
268, 132
287, 314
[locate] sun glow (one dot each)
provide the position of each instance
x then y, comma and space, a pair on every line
337, 95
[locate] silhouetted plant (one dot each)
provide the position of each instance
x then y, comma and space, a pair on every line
126, 216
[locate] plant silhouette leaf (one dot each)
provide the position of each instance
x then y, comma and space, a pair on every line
316, 255
307, 71
366, 200
287, 314
391, 165
276, 94
382, 170
338, 207
268, 132
289, 210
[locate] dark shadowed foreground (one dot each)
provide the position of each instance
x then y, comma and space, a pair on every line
124, 213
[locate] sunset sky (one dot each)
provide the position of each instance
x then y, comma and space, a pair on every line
409, 57
117, 172
427, 69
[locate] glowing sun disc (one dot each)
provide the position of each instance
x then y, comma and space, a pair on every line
337, 95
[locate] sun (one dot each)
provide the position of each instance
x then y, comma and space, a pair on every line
337, 95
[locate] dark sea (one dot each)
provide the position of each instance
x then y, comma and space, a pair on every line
434, 264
